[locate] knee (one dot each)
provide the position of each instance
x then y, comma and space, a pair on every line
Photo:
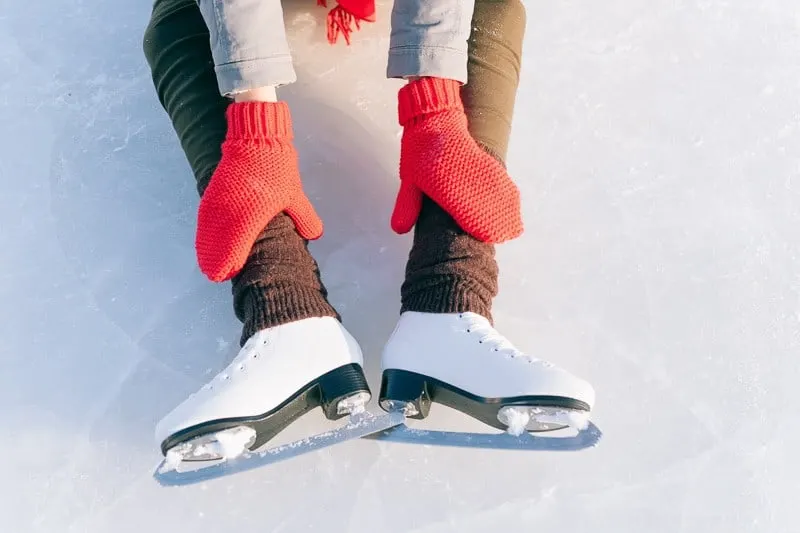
166, 18
517, 11
153, 39
511, 10
501, 15
499, 21
148, 43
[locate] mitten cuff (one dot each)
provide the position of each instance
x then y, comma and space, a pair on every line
427, 95
259, 120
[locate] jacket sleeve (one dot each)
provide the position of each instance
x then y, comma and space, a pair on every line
248, 43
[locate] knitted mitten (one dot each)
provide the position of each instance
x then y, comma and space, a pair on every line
257, 178
440, 159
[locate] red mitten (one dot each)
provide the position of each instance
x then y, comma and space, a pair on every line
257, 178
440, 159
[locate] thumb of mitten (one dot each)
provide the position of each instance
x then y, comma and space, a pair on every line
305, 218
406, 208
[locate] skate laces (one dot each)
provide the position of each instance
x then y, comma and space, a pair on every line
493, 339
250, 351
479, 326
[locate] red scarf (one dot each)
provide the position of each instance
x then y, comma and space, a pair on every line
349, 13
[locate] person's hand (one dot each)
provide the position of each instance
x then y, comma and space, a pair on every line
440, 159
257, 178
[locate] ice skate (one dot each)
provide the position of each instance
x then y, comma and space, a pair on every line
278, 375
461, 361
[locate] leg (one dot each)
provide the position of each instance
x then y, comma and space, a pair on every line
450, 271
439, 158
280, 281
445, 346
176, 46
293, 347
257, 176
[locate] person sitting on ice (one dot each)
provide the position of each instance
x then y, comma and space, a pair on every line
216, 67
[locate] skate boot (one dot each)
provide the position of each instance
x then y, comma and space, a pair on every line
278, 375
461, 361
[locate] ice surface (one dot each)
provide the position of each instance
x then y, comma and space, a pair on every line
657, 147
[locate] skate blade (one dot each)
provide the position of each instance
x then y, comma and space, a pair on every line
588, 437
539, 419
170, 474
225, 444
